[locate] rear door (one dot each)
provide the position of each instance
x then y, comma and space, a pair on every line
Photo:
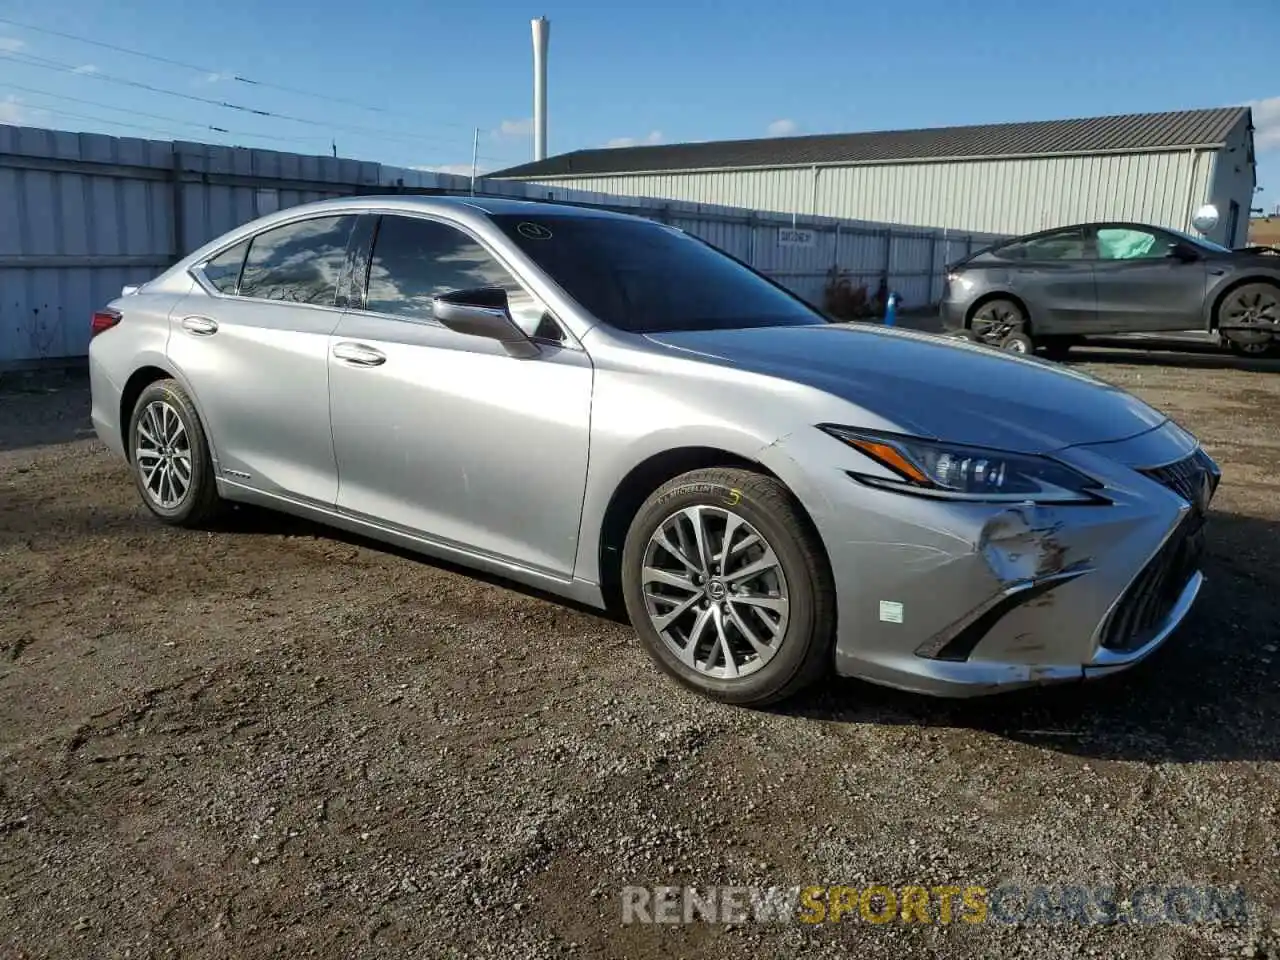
253, 342
1142, 287
1051, 273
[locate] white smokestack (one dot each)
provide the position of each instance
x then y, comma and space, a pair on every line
541, 37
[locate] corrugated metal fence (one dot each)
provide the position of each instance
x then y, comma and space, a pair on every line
83, 214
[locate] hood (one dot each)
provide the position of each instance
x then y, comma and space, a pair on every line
933, 386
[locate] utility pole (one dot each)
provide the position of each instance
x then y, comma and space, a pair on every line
475, 155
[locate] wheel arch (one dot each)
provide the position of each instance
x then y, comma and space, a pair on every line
997, 295
644, 478
151, 371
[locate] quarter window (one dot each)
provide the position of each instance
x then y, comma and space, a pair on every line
415, 260
223, 271
1131, 243
299, 262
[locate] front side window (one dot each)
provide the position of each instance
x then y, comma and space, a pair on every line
1132, 243
223, 271
415, 260
299, 262
1065, 245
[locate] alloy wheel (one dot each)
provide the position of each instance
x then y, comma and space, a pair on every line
162, 454
715, 592
993, 323
1253, 304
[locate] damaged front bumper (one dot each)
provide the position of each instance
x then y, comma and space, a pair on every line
964, 599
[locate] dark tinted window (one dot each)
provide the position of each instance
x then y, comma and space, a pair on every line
224, 270
640, 276
415, 260
1067, 245
299, 262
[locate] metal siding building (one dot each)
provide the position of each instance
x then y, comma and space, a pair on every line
997, 178
85, 214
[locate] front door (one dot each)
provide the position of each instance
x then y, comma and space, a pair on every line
447, 435
254, 347
1142, 287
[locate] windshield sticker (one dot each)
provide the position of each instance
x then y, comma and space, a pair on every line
533, 231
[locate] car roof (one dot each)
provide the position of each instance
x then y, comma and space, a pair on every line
493, 206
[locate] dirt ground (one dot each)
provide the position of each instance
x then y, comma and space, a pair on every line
277, 740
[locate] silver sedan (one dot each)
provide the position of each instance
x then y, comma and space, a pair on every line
612, 410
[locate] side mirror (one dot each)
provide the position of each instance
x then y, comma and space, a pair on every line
1184, 252
483, 312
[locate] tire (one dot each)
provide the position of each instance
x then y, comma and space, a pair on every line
164, 434
1252, 303
798, 633
996, 319
1018, 343
1265, 348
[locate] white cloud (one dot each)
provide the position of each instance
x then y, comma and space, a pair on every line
1266, 122
10, 44
219, 77
86, 68
654, 136
10, 110
457, 169
515, 128
782, 128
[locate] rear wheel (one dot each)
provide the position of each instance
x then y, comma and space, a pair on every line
1018, 343
995, 320
728, 587
172, 467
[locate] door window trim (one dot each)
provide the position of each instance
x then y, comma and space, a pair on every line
196, 270
569, 341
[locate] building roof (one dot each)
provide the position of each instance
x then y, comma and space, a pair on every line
1132, 132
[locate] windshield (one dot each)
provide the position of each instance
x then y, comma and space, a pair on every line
642, 277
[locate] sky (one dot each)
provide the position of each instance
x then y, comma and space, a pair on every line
408, 82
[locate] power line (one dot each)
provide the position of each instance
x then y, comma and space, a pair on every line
211, 72
158, 116
61, 67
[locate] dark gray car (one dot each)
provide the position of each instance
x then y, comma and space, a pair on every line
1114, 279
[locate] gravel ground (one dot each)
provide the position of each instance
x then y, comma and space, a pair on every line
277, 740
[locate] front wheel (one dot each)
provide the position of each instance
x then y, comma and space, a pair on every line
728, 586
172, 466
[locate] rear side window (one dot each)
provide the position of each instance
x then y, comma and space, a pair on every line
299, 262
1067, 245
415, 260
223, 271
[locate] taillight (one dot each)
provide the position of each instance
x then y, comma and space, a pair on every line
103, 319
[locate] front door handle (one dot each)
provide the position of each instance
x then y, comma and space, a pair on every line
200, 326
359, 354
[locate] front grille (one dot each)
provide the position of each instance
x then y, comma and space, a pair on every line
1186, 478
1146, 604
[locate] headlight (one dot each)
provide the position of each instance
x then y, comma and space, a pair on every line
955, 472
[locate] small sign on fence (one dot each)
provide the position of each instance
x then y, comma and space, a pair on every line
792, 237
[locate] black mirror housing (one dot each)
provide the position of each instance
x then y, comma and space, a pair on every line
483, 312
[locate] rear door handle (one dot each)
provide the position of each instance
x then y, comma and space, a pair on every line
200, 326
359, 354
